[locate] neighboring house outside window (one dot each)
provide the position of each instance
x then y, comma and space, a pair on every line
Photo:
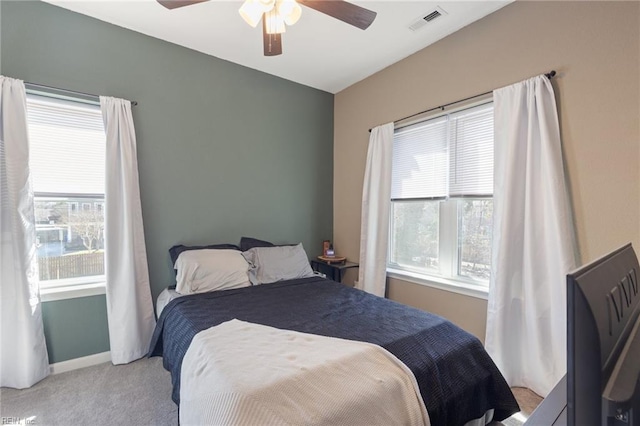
67, 162
441, 200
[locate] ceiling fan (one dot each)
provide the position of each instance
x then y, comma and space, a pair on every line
276, 13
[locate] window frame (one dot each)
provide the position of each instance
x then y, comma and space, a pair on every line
449, 278
89, 285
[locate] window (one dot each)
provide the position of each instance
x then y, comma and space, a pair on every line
441, 197
67, 161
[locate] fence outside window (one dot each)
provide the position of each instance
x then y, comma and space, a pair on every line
71, 266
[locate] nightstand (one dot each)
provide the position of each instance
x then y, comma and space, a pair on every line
332, 270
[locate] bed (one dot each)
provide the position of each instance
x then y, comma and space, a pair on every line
166, 296
258, 283
457, 379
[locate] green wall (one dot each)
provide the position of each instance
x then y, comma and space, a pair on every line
75, 327
223, 150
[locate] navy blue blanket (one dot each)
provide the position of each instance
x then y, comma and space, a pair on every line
457, 378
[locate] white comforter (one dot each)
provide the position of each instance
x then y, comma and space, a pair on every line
248, 374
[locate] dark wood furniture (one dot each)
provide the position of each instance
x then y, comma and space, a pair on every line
334, 271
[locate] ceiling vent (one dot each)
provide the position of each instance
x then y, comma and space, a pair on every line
427, 18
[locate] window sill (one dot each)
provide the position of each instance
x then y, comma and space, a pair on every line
453, 286
71, 292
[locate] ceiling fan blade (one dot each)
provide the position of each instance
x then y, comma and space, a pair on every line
344, 11
174, 4
272, 42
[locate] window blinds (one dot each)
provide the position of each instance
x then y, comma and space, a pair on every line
449, 156
419, 165
67, 147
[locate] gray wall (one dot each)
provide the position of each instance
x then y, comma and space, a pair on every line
223, 150
75, 327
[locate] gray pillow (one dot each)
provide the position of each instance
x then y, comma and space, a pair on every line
271, 264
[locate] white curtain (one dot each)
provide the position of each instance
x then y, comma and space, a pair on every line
129, 306
376, 193
533, 239
23, 352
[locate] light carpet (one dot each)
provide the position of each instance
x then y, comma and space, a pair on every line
134, 394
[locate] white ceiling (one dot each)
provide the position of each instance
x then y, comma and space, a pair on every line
318, 51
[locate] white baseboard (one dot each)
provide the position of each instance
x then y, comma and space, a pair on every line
76, 363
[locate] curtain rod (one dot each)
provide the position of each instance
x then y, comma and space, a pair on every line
549, 75
73, 92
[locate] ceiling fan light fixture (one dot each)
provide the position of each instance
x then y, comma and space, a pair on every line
276, 13
274, 21
290, 10
252, 10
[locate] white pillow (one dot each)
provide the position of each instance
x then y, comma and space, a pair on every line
271, 264
200, 271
